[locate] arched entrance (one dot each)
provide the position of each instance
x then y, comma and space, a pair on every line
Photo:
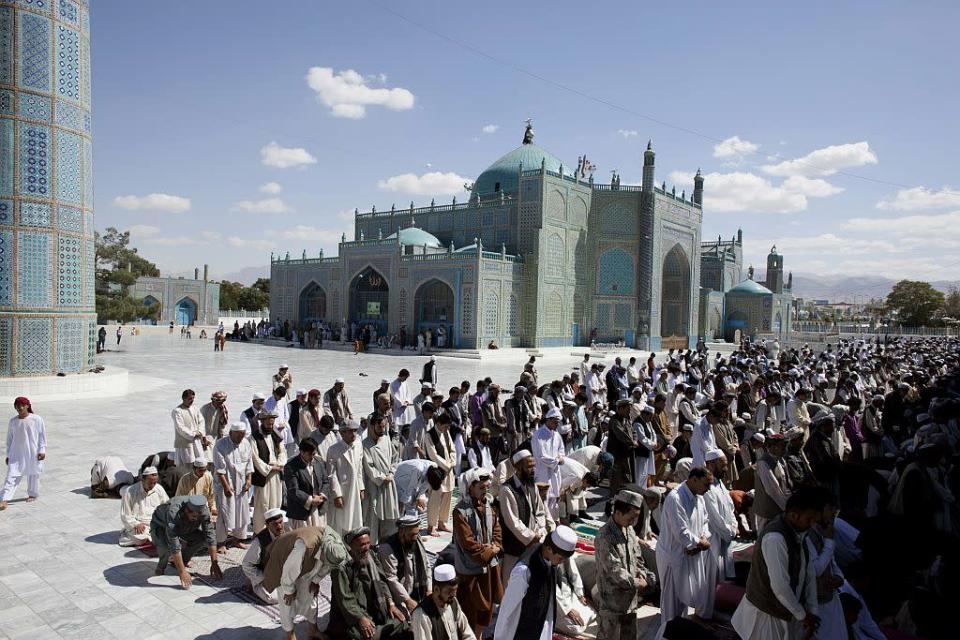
435, 308
154, 308
736, 320
675, 299
313, 303
186, 312
369, 297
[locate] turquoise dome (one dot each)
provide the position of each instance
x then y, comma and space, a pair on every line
505, 169
417, 237
751, 288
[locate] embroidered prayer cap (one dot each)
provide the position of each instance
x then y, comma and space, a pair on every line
238, 426
408, 520
553, 413
521, 455
687, 427
713, 454
270, 514
564, 538
219, 395
200, 462
444, 574
350, 425
629, 497
426, 385
195, 503
258, 396
758, 437
267, 414
301, 392
149, 471
647, 409
339, 381
284, 366
353, 534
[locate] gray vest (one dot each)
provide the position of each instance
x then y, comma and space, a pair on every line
763, 505
758, 590
464, 564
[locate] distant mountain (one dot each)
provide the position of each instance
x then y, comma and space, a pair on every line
840, 288
247, 275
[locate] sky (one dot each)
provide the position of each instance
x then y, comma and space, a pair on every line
224, 130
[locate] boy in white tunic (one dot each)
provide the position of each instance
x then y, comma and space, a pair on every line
26, 451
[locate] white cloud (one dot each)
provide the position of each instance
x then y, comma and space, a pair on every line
490, 128
348, 96
273, 155
433, 183
920, 199
174, 241
741, 191
825, 162
142, 231
211, 236
813, 187
250, 243
267, 205
271, 187
734, 147
628, 133
945, 225
153, 202
305, 233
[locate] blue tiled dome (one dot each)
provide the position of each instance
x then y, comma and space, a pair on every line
417, 237
749, 287
505, 169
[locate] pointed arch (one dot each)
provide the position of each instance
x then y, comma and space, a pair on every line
313, 302
675, 294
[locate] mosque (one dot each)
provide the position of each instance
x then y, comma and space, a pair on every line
539, 256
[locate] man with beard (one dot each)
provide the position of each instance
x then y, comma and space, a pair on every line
405, 564
137, 504
771, 493
721, 513
190, 440
199, 483
384, 388
381, 407
269, 457
233, 466
345, 462
795, 462
215, 416
495, 420
310, 415
255, 557
523, 517
380, 458
549, 454
521, 417
439, 449
621, 574
415, 447
440, 613
621, 444
293, 410
336, 404
362, 606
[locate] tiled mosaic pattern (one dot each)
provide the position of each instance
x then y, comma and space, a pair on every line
6, 103
6, 211
70, 272
33, 269
6, 45
615, 273
72, 338
6, 346
33, 345
34, 52
6, 157
69, 116
70, 219
34, 107
34, 159
6, 267
33, 214
69, 170
68, 63
37, 5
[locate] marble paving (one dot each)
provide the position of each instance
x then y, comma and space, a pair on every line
62, 575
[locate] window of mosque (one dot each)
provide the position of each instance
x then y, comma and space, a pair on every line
491, 312
554, 315
615, 273
603, 316
513, 317
556, 255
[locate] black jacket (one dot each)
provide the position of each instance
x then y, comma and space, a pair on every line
296, 477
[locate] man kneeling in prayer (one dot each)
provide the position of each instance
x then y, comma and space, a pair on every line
255, 557
439, 614
137, 504
180, 529
108, 477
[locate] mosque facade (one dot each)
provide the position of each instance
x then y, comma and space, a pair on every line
539, 256
182, 301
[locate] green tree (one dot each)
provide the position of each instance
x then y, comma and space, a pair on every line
230, 294
118, 265
951, 304
234, 295
915, 302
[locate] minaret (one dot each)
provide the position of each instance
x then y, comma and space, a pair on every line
648, 158
698, 188
774, 271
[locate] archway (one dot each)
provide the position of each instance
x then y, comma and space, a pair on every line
313, 303
154, 310
715, 324
675, 299
186, 312
434, 304
369, 299
736, 320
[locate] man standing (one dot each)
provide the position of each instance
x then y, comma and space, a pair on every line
523, 517
415, 446
439, 615
781, 597
549, 453
621, 575
430, 372
255, 557
180, 529
406, 564
478, 453
293, 410
345, 463
307, 483
770, 496
336, 404
380, 458
621, 444
137, 504
529, 604
644, 456
703, 440
189, 429
269, 457
282, 378
521, 417
495, 421
440, 450
403, 412
26, 451
362, 606
250, 414
277, 404
720, 511
310, 414
688, 577
215, 417
199, 483
233, 464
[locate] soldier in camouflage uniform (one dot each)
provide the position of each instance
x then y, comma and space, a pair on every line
621, 573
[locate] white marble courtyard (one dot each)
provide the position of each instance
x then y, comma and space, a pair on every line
62, 574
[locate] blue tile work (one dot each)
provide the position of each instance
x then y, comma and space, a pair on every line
37, 5
88, 222
85, 72
34, 51
6, 157
87, 174
7, 267
89, 295
6, 102
6, 211
6, 341
603, 316
34, 159
33, 214
68, 63
615, 273
70, 271
69, 171
33, 269
6, 45
34, 107
68, 12
70, 219
71, 343
33, 345
69, 116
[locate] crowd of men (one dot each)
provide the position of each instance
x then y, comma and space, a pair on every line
838, 466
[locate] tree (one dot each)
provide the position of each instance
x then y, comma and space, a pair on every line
234, 295
951, 304
119, 265
915, 302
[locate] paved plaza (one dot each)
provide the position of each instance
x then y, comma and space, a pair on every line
62, 573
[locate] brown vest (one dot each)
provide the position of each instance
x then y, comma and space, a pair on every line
758, 590
280, 549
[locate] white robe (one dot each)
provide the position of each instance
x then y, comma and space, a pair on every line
509, 616
410, 479
235, 461
832, 621
723, 527
25, 439
685, 580
549, 453
345, 463
568, 598
269, 496
111, 469
282, 424
137, 507
702, 441
254, 574
305, 603
380, 458
399, 394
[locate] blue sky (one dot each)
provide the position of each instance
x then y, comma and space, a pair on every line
200, 106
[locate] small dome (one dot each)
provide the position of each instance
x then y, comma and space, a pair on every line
504, 171
417, 237
749, 287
